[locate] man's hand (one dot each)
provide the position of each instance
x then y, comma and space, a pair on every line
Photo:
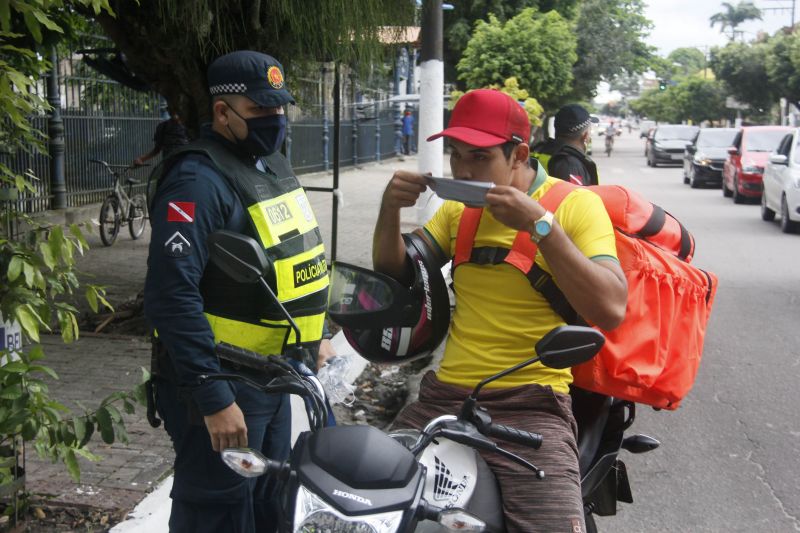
326, 351
514, 208
404, 189
227, 428
138, 162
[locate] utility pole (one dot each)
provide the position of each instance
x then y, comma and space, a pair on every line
788, 5
430, 103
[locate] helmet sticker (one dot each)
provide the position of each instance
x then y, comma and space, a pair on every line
275, 77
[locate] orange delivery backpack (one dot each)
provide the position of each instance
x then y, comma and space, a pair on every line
652, 357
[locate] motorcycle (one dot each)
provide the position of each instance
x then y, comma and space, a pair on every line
360, 479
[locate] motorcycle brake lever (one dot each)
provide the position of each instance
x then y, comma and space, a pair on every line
465, 433
519, 460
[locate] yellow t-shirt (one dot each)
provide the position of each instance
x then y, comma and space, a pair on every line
498, 316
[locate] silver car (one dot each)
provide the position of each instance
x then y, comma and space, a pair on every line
782, 184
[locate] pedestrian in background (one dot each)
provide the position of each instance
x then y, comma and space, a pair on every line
408, 132
170, 134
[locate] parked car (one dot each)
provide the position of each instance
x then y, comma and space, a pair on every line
667, 143
705, 155
742, 174
782, 184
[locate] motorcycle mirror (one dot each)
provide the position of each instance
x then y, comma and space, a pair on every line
243, 259
567, 346
245, 462
239, 256
562, 347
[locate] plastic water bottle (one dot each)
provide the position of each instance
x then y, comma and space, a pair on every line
333, 377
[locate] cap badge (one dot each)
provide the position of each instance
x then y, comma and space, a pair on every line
275, 77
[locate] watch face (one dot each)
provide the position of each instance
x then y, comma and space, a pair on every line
543, 227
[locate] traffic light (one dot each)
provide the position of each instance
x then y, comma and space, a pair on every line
662, 85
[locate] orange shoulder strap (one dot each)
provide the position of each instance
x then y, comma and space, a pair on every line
523, 251
465, 238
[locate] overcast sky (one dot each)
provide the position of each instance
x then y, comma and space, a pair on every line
678, 23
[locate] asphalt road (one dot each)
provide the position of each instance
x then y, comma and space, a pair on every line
730, 455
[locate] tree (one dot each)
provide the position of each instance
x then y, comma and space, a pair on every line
732, 17
693, 98
610, 43
743, 69
537, 49
686, 61
460, 22
699, 99
171, 42
37, 266
783, 65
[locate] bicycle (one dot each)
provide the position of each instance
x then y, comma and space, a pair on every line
120, 207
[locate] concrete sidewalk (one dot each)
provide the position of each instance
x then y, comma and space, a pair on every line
97, 365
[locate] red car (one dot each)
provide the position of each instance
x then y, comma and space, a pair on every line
744, 168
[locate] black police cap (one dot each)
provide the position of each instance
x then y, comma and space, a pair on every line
252, 74
572, 118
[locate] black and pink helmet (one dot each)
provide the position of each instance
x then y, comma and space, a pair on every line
385, 321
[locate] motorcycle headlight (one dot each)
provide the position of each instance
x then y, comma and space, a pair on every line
313, 515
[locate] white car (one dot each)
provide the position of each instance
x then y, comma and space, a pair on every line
782, 184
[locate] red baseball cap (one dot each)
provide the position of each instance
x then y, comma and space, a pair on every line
487, 117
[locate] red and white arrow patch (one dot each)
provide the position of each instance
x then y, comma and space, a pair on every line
180, 212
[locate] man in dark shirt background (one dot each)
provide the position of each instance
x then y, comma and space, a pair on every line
169, 135
569, 161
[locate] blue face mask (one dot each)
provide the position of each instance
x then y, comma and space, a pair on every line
265, 135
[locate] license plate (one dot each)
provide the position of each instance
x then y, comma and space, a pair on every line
677, 157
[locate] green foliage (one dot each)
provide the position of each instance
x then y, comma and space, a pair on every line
537, 49
611, 43
686, 61
37, 265
783, 65
171, 42
693, 98
743, 68
460, 22
733, 16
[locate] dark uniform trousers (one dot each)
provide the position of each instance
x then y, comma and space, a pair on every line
232, 503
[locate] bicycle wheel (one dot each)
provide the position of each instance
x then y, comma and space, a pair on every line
137, 215
109, 220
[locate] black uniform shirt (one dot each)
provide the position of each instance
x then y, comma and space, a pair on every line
192, 201
569, 164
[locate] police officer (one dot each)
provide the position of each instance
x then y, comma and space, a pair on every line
232, 178
565, 156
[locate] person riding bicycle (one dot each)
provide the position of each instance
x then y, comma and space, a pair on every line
232, 178
499, 316
568, 160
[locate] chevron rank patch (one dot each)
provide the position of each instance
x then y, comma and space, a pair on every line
177, 246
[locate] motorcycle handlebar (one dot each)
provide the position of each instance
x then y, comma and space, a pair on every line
518, 436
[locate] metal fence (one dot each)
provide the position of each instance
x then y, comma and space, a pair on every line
103, 119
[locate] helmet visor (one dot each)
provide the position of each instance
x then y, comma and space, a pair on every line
358, 297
